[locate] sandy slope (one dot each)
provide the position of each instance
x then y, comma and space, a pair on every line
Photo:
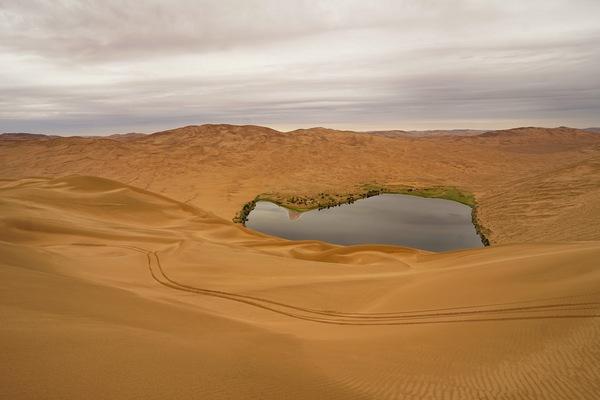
531, 183
114, 292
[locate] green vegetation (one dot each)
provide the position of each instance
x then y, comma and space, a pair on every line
481, 231
242, 216
324, 200
438, 192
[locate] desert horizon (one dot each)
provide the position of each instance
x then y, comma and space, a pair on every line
323, 199
142, 261
437, 131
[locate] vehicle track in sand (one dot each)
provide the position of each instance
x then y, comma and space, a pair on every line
509, 311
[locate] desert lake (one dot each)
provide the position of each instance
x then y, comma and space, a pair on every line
424, 223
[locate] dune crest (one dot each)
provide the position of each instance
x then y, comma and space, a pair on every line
106, 269
520, 174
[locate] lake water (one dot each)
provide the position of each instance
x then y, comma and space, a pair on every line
423, 223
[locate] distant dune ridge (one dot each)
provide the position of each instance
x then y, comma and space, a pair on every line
531, 184
434, 132
124, 277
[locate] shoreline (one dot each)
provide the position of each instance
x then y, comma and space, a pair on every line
327, 200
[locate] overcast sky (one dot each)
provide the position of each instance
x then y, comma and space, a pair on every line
117, 66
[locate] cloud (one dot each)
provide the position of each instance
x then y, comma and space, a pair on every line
90, 67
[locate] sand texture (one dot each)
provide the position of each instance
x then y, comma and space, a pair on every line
124, 277
532, 184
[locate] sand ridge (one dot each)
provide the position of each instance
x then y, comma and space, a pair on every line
530, 183
140, 295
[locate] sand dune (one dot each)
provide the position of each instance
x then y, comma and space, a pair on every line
124, 276
112, 291
523, 178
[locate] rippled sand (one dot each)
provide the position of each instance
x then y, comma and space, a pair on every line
111, 291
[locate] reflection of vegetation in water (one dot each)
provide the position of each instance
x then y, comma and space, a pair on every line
324, 200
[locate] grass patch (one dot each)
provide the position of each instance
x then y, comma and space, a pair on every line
323, 200
436, 192
242, 216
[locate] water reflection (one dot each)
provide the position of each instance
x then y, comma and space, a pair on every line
431, 224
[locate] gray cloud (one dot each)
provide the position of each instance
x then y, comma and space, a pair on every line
93, 67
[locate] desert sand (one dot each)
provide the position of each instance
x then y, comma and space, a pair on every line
124, 277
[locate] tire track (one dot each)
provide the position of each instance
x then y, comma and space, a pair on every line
476, 313
462, 314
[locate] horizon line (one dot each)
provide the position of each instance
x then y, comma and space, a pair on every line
146, 132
